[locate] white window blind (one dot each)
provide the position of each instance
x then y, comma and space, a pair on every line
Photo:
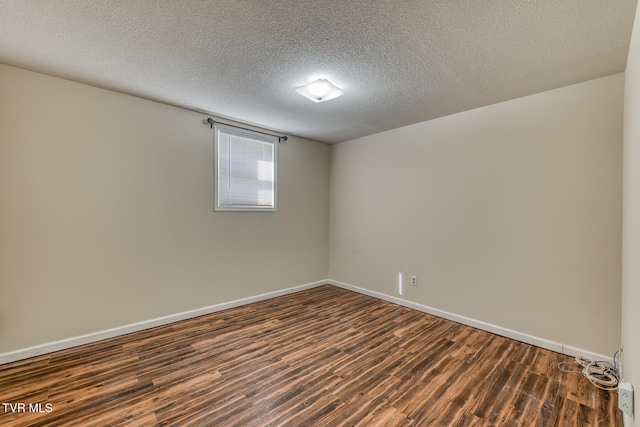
245, 169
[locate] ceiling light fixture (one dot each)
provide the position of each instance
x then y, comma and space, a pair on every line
319, 90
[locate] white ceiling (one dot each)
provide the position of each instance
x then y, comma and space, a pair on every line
399, 61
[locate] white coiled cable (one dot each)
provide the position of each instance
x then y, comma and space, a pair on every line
603, 375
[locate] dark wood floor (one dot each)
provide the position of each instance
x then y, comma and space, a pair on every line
322, 357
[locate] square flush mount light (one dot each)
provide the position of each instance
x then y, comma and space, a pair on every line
320, 90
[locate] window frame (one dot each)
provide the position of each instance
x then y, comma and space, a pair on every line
249, 134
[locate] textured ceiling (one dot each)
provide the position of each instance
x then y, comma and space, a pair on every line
399, 61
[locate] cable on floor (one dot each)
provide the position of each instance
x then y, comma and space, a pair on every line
602, 374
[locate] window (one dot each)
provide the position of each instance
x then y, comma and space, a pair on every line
245, 169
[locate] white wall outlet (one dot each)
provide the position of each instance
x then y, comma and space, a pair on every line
625, 398
414, 281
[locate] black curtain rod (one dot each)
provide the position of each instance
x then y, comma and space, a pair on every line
212, 122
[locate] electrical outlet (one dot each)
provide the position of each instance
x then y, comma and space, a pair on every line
625, 398
414, 281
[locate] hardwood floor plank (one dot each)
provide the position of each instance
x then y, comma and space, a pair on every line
322, 357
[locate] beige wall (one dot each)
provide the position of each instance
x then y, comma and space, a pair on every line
631, 222
509, 214
106, 214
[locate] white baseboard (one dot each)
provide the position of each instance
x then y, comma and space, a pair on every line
50, 347
498, 330
38, 350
